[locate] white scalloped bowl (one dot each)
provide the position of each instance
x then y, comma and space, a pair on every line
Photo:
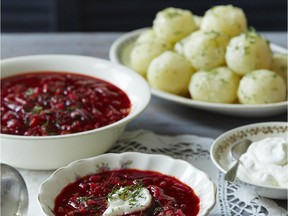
182, 170
52, 152
220, 151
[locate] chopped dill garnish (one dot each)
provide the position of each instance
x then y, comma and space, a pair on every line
84, 198
29, 92
172, 14
37, 109
130, 192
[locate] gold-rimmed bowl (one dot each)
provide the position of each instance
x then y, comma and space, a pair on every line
221, 156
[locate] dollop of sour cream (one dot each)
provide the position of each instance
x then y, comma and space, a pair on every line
127, 200
265, 163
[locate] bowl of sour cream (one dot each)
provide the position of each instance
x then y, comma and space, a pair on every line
265, 163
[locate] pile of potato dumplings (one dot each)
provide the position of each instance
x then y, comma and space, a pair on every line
214, 58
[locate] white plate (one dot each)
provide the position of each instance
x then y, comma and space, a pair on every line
184, 171
120, 53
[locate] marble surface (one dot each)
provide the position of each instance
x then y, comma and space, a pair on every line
162, 117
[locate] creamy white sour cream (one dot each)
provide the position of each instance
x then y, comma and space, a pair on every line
126, 201
265, 163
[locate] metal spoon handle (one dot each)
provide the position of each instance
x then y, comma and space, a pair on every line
230, 175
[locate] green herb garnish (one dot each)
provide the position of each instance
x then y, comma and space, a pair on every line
129, 192
37, 109
29, 92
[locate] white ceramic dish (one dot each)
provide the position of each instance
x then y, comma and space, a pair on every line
120, 53
52, 152
184, 171
221, 150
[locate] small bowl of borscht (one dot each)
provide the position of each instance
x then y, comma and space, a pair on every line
56, 109
130, 184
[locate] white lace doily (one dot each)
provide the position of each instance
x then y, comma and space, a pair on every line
232, 199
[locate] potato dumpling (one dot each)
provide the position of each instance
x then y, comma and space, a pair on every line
179, 45
148, 34
144, 52
206, 49
173, 24
226, 19
279, 65
170, 72
218, 85
261, 87
198, 20
248, 52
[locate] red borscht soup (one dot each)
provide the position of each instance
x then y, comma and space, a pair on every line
57, 103
91, 195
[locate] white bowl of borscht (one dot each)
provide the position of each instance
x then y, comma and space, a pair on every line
56, 109
130, 184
